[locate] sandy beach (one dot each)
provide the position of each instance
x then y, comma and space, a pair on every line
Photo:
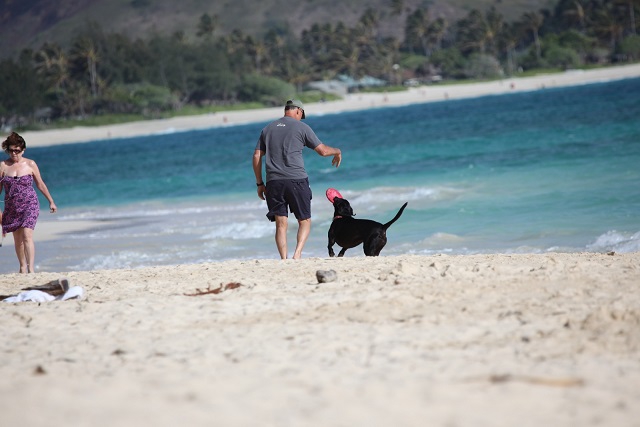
352, 102
476, 340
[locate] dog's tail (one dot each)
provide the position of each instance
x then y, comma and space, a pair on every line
395, 218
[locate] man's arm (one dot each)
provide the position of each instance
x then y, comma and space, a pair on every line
325, 151
257, 170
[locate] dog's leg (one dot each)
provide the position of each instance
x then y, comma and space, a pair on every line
342, 251
332, 241
374, 244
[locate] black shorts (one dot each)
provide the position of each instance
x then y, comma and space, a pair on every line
289, 194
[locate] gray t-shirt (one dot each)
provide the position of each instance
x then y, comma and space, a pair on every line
283, 141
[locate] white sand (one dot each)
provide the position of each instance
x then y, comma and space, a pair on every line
351, 103
486, 340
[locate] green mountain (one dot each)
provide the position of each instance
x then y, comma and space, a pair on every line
30, 23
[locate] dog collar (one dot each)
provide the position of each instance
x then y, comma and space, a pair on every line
337, 217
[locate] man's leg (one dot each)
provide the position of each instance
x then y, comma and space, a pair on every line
304, 228
281, 235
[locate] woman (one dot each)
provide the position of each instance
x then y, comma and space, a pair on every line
21, 206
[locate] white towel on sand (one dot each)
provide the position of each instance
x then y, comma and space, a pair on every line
39, 296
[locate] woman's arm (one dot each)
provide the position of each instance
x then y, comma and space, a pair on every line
42, 186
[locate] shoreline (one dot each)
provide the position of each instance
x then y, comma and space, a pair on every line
352, 102
526, 340
49, 227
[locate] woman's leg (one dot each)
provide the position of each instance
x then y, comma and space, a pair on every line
29, 249
18, 239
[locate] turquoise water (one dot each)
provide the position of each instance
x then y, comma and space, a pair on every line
550, 170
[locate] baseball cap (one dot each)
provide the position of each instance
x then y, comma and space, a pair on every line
296, 103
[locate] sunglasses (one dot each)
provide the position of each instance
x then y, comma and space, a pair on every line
14, 151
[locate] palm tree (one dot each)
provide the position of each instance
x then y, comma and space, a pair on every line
74, 102
607, 24
532, 21
300, 73
369, 21
85, 50
207, 25
388, 60
578, 13
362, 36
258, 49
417, 30
473, 33
311, 40
396, 7
508, 41
437, 31
44, 60
494, 27
315, 41
631, 5
237, 45
234, 42
276, 43
346, 59
632, 15
52, 65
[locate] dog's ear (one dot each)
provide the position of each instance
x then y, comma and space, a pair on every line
348, 207
342, 207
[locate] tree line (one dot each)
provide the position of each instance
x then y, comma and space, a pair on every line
101, 73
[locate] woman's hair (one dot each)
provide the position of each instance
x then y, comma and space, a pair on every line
15, 140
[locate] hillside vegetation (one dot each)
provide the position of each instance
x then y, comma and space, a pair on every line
30, 23
105, 73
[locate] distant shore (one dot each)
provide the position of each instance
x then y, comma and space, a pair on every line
352, 102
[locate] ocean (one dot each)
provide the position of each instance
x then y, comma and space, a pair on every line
553, 170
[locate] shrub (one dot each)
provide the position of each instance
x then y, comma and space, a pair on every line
449, 62
481, 66
630, 47
562, 57
140, 98
268, 90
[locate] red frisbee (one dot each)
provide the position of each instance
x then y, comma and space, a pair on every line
332, 193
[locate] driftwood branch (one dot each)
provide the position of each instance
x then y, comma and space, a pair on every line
219, 289
551, 382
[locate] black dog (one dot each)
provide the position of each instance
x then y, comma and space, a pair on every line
348, 232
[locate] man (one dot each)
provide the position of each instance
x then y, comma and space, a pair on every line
287, 183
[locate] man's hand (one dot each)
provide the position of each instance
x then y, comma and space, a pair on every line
337, 159
261, 191
326, 151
